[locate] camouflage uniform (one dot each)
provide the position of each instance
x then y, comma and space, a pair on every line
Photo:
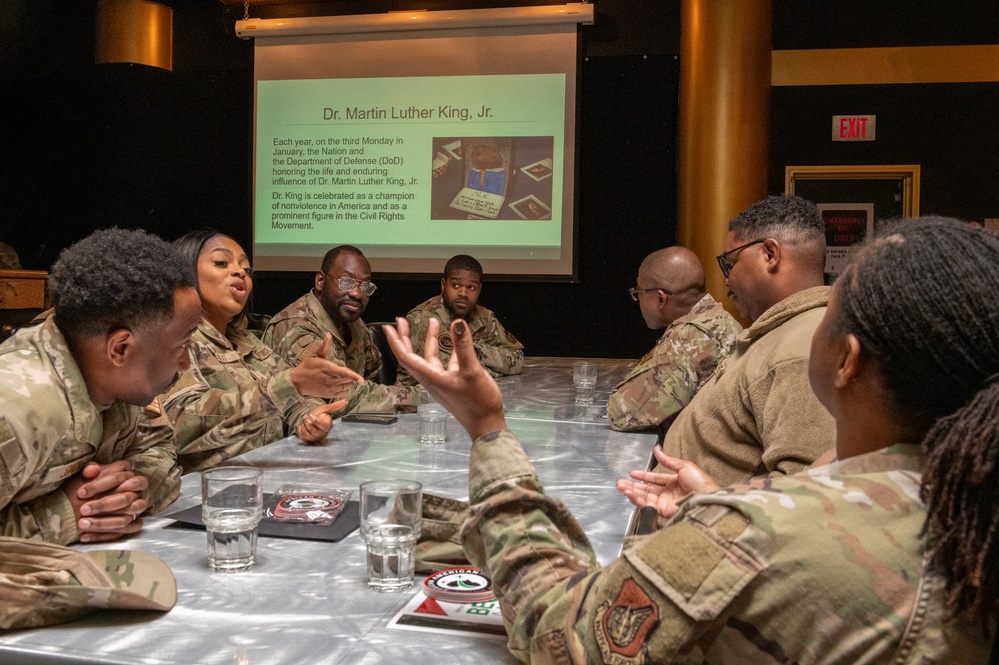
50, 429
498, 350
236, 396
826, 566
757, 414
667, 377
298, 330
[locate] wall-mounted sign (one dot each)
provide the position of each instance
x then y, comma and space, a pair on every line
847, 226
853, 127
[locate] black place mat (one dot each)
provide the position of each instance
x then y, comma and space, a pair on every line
345, 523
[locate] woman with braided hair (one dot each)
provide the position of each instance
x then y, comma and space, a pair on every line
919, 304
887, 555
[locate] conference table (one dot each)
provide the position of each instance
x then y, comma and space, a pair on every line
306, 602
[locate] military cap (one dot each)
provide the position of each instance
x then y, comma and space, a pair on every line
42, 583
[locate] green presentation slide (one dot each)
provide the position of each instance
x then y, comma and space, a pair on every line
474, 161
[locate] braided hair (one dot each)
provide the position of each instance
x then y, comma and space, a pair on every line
921, 299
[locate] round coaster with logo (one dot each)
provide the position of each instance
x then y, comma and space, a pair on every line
305, 506
459, 585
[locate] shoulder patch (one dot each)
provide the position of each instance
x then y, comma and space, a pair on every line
697, 566
622, 625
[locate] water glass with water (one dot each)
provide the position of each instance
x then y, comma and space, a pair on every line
391, 521
584, 377
231, 508
433, 419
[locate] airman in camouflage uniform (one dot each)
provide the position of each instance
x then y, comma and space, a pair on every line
50, 430
236, 396
497, 349
72, 465
298, 330
667, 377
726, 579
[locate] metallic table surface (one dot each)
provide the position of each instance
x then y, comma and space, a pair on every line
307, 602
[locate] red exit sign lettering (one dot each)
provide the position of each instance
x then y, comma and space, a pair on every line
853, 127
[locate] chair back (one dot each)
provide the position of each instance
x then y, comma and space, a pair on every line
23, 296
390, 366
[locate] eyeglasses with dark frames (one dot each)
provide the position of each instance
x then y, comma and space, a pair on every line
348, 283
634, 291
726, 264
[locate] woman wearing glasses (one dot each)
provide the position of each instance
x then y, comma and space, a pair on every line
238, 394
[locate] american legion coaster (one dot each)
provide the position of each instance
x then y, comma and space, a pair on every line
459, 585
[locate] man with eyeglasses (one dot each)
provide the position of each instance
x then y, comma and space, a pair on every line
343, 287
699, 334
498, 350
757, 414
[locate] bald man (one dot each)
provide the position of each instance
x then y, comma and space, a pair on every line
699, 334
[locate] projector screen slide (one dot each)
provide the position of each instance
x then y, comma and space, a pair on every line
410, 167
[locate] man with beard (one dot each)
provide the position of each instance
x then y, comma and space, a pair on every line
498, 350
343, 287
73, 464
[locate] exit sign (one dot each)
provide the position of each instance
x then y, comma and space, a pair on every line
853, 127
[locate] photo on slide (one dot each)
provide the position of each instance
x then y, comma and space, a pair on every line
476, 177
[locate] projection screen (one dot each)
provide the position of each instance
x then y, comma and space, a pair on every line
417, 136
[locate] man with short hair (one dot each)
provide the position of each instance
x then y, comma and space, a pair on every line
699, 334
342, 290
757, 414
72, 466
498, 350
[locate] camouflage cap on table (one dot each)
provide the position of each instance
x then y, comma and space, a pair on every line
42, 583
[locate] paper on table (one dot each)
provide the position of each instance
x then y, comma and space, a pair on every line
434, 616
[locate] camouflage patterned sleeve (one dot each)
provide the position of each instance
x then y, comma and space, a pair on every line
372, 357
212, 424
654, 391
294, 339
666, 593
153, 453
498, 350
419, 320
793, 425
49, 516
375, 398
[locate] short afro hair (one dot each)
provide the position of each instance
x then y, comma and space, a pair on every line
462, 262
115, 278
787, 218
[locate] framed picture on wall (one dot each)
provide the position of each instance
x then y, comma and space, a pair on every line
892, 189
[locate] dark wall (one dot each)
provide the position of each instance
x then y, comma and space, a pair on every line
85, 147
135, 146
948, 129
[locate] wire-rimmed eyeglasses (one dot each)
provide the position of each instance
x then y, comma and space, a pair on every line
726, 264
348, 283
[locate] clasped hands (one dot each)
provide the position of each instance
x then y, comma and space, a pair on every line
107, 500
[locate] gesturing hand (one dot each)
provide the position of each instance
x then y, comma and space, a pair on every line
107, 500
317, 423
318, 377
662, 491
463, 387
